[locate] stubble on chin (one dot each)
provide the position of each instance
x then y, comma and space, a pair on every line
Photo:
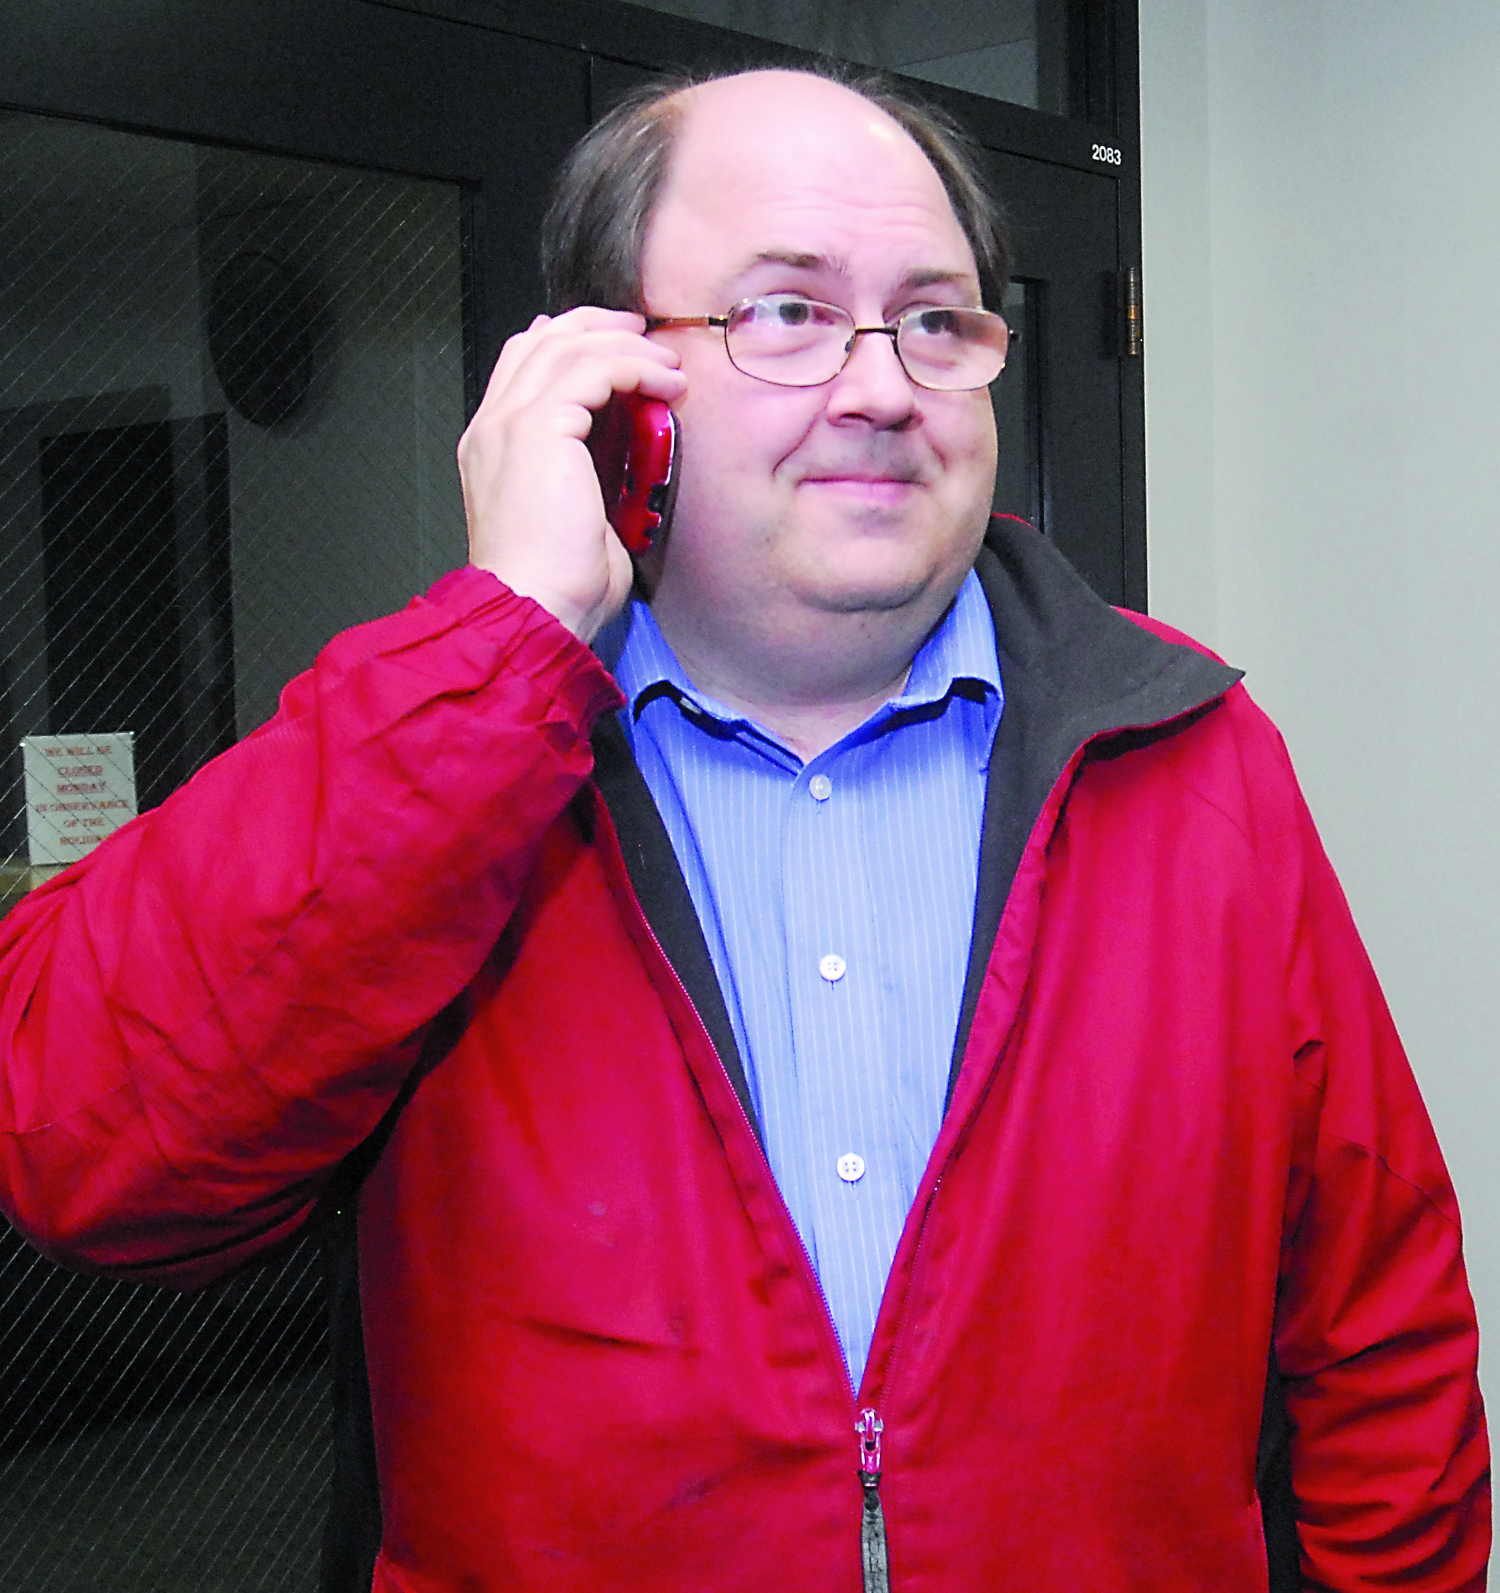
864, 598
887, 571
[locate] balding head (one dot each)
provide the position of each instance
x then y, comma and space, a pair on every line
594, 236
800, 148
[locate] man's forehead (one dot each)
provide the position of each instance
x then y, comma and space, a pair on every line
774, 159
779, 121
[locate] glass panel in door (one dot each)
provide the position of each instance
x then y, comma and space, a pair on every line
230, 390
1015, 50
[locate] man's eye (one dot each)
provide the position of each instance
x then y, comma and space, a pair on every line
794, 312
937, 323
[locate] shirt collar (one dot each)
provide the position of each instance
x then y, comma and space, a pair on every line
960, 652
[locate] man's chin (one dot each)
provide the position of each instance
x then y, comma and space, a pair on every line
868, 597
872, 584
878, 574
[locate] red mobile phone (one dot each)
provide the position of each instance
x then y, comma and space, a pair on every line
634, 444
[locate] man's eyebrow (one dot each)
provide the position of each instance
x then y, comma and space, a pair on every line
798, 261
936, 279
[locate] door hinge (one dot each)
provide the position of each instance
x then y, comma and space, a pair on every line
1134, 341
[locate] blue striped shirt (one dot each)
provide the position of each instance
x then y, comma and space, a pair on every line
837, 899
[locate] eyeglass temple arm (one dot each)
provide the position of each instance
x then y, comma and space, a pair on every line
656, 323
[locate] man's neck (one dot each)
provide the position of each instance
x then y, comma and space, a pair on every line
808, 696
810, 728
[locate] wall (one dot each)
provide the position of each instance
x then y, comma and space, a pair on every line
1323, 447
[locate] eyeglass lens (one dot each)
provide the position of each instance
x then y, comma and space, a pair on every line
797, 342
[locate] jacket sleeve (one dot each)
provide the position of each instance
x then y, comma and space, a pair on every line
1375, 1332
201, 1018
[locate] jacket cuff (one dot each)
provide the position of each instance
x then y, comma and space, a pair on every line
534, 643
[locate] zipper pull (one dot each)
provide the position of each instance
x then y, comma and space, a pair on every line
872, 1548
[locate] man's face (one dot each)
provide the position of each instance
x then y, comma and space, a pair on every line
867, 493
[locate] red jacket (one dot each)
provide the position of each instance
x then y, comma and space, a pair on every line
1182, 1142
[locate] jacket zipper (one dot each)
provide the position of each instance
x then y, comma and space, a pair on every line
872, 1549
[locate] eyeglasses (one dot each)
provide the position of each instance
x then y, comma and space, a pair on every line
796, 342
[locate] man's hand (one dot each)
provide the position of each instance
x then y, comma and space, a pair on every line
535, 512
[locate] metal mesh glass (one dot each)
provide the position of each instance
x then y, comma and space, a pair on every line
230, 390
1013, 50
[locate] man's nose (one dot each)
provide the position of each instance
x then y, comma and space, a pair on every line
873, 384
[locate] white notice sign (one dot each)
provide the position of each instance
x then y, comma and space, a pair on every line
78, 790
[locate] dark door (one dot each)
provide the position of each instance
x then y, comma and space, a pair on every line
114, 649
1073, 375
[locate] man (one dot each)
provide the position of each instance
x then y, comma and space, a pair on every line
623, 1067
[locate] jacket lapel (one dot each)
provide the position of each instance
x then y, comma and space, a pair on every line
1073, 670
663, 894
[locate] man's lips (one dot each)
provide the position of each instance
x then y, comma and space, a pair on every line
864, 485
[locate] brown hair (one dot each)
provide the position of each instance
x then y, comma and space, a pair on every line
594, 233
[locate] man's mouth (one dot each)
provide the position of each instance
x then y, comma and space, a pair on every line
866, 489
865, 486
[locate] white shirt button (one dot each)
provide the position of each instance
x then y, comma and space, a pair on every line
831, 967
820, 788
851, 1167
